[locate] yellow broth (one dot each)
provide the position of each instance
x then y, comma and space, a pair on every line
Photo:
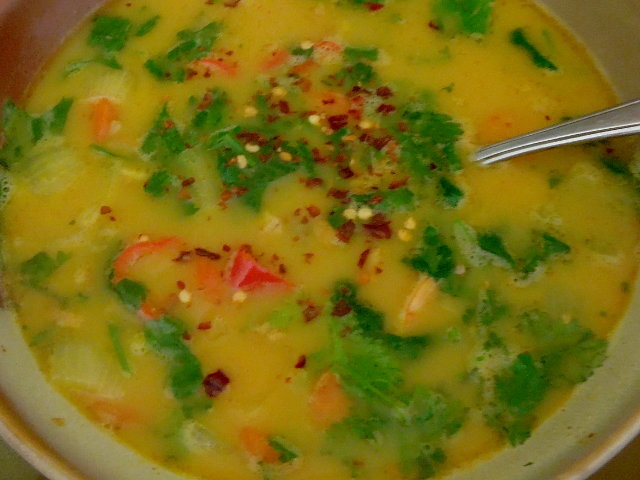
379, 306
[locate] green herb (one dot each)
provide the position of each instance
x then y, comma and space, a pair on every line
519, 39
305, 53
353, 55
490, 309
210, 111
159, 183
466, 17
450, 193
40, 267
286, 453
164, 141
568, 351
147, 26
615, 165
358, 74
164, 336
105, 151
109, 35
544, 248
492, 243
519, 390
131, 293
192, 45
433, 256
20, 131
116, 342
429, 141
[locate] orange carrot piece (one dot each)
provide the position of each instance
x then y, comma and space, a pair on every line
329, 404
229, 69
114, 413
327, 46
256, 443
134, 252
303, 68
208, 278
103, 114
275, 59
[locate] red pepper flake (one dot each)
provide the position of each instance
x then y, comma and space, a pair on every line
385, 109
398, 183
186, 336
308, 257
374, 6
345, 231
376, 142
434, 26
187, 182
384, 92
104, 210
203, 252
313, 210
378, 227
363, 257
376, 199
282, 269
313, 182
284, 107
302, 361
304, 220
337, 194
181, 285
336, 122
183, 256
231, 3
345, 173
341, 308
311, 312
215, 383
204, 325
226, 248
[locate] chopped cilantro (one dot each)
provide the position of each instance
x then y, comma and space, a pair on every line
466, 17
519, 39
286, 453
544, 248
210, 112
358, 74
118, 348
450, 193
164, 141
41, 266
147, 26
353, 55
433, 256
192, 45
492, 243
131, 293
490, 309
429, 141
164, 336
568, 352
398, 199
159, 183
109, 33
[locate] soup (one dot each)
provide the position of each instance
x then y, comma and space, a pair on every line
247, 238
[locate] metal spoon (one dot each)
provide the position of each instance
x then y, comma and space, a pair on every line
617, 121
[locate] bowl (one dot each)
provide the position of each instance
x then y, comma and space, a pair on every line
600, 418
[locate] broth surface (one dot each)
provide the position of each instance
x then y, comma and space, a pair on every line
246, 237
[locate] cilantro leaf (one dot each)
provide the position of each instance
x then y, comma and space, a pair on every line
429, 141
286, 454
147, 26
164, 141
490, 309
353, 55
40, 267
519, 39
398, 199
433, 256
192, 45
492, 243
450, 193
159, 183
568, 352
467, 17
131, 293
545, 247
109, 33
164, 336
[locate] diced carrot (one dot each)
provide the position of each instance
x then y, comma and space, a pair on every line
256, 444
208, 278
148, 311
506, 123
229, 69
247, 274
114, 413
303, 68
275, 59
328, 46
134, 252
103, 114
329, 404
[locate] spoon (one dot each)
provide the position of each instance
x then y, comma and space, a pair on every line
617, 121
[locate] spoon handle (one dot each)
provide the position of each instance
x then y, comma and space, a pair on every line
620, 120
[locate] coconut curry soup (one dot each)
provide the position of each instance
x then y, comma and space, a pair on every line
245, 235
